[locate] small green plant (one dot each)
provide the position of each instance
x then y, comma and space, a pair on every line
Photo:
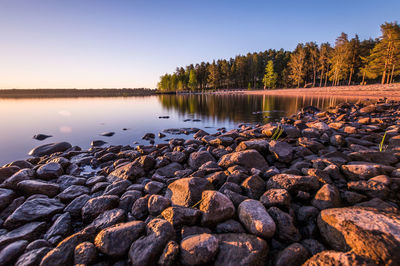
278, 132
381, 145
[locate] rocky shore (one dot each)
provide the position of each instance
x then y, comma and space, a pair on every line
318, 188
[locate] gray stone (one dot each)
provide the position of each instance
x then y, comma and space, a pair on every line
248, 159
215, 207
30, 187
49, 171
48, 149
198, 249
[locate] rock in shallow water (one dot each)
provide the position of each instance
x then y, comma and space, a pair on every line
48, 149
41, 136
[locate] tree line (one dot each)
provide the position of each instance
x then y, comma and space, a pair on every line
349, 61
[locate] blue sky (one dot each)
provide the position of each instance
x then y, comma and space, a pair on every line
115, 43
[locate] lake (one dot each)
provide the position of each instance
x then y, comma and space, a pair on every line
82, 120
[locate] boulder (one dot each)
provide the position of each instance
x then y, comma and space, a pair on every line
216, 208
169, 170
179, 216
72, 192
128, 171
30, 187
253, 186
61, 227
293, 183
248, 159
328, 196
27, 232
282, 151
276, 197
197, 159
255, 218
48, 149
109, 218
10, 253
170, 254
333, 258
21, 175
292, 255
187, 191
6, 197
85, 254
32, 257
286, 230
198, 249
98, 205
49, 171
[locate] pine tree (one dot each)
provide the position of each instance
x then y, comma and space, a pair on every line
270, 77
297, 65
192, 80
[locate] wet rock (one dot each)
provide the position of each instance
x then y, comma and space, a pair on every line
11, 252
216, 208
169, 170
170, 254
328, 196
75, 207
21, 175
27, 232
286, 230
30, 187
85, 253
48, 149
117, 188
276, 197
248, 159
293, 183
253, 186
282, 151
197, 159
229, 226
97, 143
6, 172
33, 210
140, 209
147, 249
295, 254
107, 134
259, 145
255, 218
241, 249
72, 192
187, 191
198, 249
32, 257
128, 199
49, 171
60, 227
116, 240
41, 136
153, 187
98, 205
179, 216
128, 171
368, 232
63, 254
6, 197
11, 207
157, 204
109, 218
331, 257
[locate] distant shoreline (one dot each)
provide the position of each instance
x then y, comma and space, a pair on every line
68, 93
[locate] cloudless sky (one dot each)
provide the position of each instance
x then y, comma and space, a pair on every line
130, 43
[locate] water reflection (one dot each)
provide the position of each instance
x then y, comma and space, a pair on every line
245, 108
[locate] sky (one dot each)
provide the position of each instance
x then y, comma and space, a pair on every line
130, 43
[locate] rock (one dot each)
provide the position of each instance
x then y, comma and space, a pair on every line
312, 145
253, 186
276, 197
197, 159
379, 157
21, 175
282, 151
98, 205
11, 252
229, 226
187, 191
368, 232
11, 207
109, 218
75, 207
332, 258
169, 170
27, 232
128, 199
147, 249
170, 254
328, 196
198, 249
259, 145
313, 246
361, 170
33, 210
248, 159
85, 253
116, 240
107, 134
32, 257
64, 252
157, 204
255, 218
293, 183
216, 208
187, 231
241, 249
370, 188
286, 230
153, 187
60, 227
72, 192
128, 171
140, 209
65, 181
49, 171
293, 255
6, 197
179, 216
307, 213
41, 136
97, 143
30, 187
7, 171
48, 149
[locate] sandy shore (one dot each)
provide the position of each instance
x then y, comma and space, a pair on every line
391, 91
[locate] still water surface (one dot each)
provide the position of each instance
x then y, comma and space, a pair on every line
82, 120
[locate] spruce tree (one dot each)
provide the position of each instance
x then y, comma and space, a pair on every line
270, 77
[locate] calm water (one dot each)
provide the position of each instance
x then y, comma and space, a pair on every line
81, 120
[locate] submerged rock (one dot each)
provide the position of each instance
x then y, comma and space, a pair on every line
41, 136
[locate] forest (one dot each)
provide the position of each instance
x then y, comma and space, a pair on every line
350, 61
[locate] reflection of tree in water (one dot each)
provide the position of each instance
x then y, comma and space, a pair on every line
244, 108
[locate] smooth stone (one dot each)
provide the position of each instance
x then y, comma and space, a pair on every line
61, 227
109, 218
85, 254
32, 257
107, 134
215, 207
6, 197
248, 159
72, 192
197, 159
187, 191
293, 183
27, 232
286, 230
75, 206
30, 187
21, 175
97, 143
41, 136
292, 255
198, 249
179, 216
98, 205
11, 252
48, 149
49, 171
